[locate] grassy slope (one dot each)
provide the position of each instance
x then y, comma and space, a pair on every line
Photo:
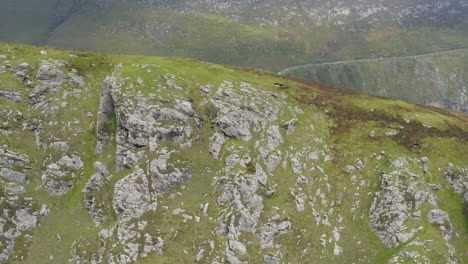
342, 117
437, 77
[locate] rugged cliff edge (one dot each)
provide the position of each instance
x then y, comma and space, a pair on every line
126, 159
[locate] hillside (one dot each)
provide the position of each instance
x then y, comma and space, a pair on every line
268, 35
438, 79
271, 35
132, 159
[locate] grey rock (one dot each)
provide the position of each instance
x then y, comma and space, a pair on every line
76, 80
49, 72
399, 198
133, 197
22, 67
3, 69
268, 232
339, 200
391, 133
274, 138
216, 143
166, 176
206, 89
301, 180
152, 245
290, 125
171, 114
271, 259
237, 247
20, 75
425, 160
24, 220
273, 160
164, 181
44, 210
239, 113
56, 180
72, 162
232, 128
14, 175
296, 166
100, 167
270, 193
185, 108
441, 218
95, 183
16, 190
61, 145
313, 156
40, 90
56, 186
337, 250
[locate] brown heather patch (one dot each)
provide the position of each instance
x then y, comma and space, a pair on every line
346, 116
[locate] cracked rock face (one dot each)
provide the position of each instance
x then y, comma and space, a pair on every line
8, 161
441, 218
165, 178
58, 177
239, 114
133, 196
402, 194
17, 218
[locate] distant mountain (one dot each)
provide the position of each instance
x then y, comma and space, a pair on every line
261, 34
131, 159
269, 35
350, 15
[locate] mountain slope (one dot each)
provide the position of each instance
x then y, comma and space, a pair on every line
220, 33
31, 22
119, 159
438, 78
268, 35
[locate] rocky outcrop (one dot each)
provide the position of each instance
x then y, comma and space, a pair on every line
240, 114
458, 178
92, 187
105, 116
58, 177
133, 196
17, 218
10, 161
166, 176
441, 218
402, 194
